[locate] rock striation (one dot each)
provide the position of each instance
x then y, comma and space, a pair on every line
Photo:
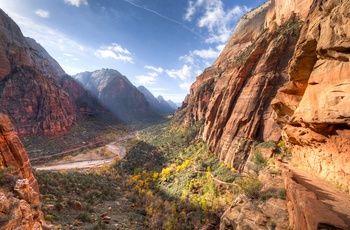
34, 90
313, 105
234, 95
19, 196
118, 94
284, 73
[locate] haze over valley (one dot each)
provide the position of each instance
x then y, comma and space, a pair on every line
192, 114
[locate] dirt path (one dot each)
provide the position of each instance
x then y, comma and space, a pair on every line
325, 191
85, 161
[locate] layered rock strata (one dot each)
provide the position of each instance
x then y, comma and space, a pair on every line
19, 197
305, 210
234, 95
313, 106
34, 90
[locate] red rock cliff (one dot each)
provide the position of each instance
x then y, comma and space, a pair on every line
21, 210
314, 105
33, 87
234, 95
299, 49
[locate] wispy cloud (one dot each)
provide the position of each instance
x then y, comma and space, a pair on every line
114, 51
42, 13
212, 16
77, 3
151, 77
206, 54
185, 73
146, 79
157, 69
164, 17
47, 36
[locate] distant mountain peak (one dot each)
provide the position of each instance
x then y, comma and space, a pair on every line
118, 94
157, 104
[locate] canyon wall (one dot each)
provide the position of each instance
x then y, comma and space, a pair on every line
234, 95
284, 72
34, 90
313, 106
19, 194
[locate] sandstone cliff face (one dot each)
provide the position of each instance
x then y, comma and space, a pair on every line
21, 210
118, 94
314, 105
33, 87
234, 95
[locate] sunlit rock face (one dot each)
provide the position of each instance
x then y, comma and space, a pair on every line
284, 72
234, 95
314, 105
34, 90
118, 94
19, 196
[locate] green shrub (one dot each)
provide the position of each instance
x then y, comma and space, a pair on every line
48, 217
251, 186
259, 159
84, 217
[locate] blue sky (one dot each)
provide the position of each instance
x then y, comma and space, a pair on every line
161, 44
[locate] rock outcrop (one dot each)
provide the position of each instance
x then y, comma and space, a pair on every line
313, 105
234, 95
305, 210
34, 90
118, 94
19, 196
309, 67
283, 73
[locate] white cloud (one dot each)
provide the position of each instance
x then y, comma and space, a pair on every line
42, 13
185, 73
114, 51
220, 47
185, 85
190, 11
215, 18
153, 74
187, 59
158, 70
68, 55
146, 79
76, 3
117, 48
49, 38
209, 53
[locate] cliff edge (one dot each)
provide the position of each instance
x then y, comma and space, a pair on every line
19, 194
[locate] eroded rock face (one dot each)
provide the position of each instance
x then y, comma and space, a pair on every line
33, 87
13, 154
314, 105
30, 90
21, 210
234, 95
305, 210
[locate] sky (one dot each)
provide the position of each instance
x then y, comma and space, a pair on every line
160, 44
